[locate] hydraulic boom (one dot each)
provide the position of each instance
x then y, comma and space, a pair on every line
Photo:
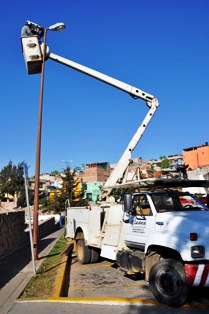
136, 93
33, 57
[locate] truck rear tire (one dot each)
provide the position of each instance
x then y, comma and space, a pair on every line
95, 253
167, 282
83, 252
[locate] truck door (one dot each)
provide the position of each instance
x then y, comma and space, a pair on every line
140, 224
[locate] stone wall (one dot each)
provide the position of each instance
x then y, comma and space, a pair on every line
8, 205
13, 232
45, 227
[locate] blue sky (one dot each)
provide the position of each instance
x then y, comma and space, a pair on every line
161, 47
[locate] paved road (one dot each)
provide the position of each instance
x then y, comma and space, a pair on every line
102, 287
78, 308
105, 279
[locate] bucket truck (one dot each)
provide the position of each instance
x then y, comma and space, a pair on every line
158, 231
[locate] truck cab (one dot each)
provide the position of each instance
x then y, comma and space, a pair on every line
149, 216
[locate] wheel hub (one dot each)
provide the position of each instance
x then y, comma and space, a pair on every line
168, 282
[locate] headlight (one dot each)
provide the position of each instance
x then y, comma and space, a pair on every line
198, 251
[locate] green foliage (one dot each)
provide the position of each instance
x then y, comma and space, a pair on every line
68, 184
11, 179
152, 168
55, 173
165, 162
44, 202
57, 204
21, 201
67, 192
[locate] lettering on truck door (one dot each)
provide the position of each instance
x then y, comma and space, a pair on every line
140, 223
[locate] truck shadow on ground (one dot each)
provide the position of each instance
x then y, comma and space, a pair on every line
199, 295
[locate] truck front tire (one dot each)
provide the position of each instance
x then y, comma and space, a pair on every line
168, 283
83, 252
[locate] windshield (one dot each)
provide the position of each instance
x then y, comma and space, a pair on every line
173, 201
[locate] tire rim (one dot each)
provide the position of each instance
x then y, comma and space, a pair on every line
168, 282
80, 251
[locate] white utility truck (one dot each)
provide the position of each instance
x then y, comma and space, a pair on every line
159, 230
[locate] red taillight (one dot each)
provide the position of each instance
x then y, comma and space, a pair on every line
193, 236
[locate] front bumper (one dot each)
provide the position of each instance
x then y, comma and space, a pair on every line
197, 274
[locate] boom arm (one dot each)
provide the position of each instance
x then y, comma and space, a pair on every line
133, 91
151, 102
125, 158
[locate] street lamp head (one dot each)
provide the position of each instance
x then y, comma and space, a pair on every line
57, 27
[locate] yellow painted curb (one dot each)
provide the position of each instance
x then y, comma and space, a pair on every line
60, 277
110, 301
103, 300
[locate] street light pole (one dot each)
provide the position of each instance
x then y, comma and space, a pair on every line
55, 27
38, 154
67, 162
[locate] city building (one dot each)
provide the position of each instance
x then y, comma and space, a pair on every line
196, 157
173, 160
95, 172
92, 176
47, 183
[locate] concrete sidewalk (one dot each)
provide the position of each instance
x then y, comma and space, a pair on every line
16, 270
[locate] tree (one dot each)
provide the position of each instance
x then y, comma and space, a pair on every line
11, 179
70, 191
55, 204
57, 201
54, 173
164, 162
21, 201
68, 184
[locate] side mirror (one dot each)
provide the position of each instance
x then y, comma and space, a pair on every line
128, 203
